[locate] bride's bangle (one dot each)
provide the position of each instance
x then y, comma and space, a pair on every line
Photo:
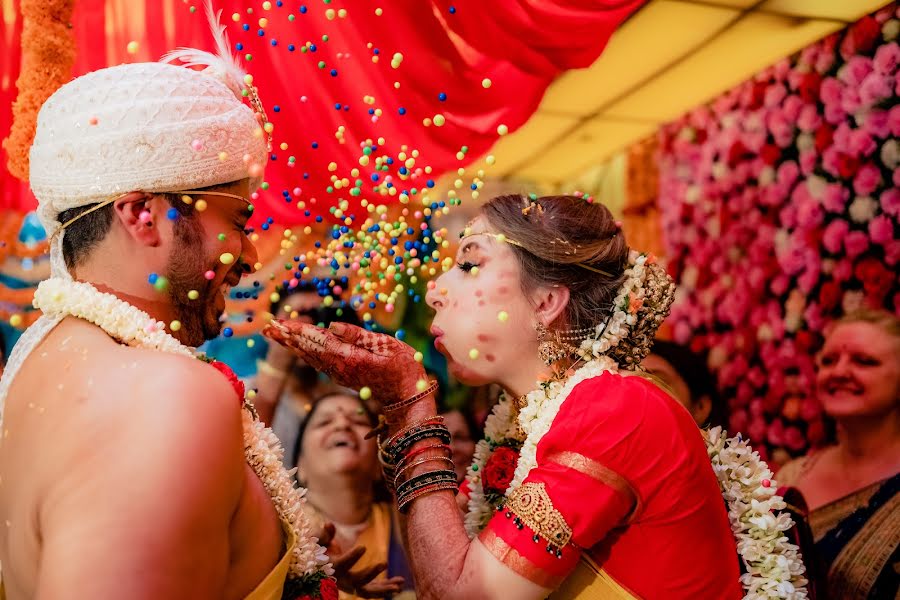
432, 387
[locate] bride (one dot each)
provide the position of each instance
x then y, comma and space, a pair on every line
592, 482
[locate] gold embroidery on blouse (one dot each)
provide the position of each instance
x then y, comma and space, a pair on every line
533, 507
603, 474
511, 557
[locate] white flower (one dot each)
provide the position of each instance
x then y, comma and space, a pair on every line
890, 30
863, 209
890, 153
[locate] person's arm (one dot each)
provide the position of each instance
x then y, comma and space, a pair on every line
271, 379
145, 511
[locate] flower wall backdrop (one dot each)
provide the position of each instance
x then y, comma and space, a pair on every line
780, 207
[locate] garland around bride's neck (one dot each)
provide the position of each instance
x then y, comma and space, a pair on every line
58, 297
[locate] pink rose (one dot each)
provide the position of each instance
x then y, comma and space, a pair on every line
834, 198
788, 173
843, 270
893, 120
855, 243
810, 277
890, 202
808, 161
875, 88
809, 119
813, 317
855, 70
867, 179
833, 238
861, 143
841, 139
781, 127
877, 124
851, 100
780, 284
886, 58
792, 105
892, 252
775, 93
881, 230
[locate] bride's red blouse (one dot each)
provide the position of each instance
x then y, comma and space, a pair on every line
626, 469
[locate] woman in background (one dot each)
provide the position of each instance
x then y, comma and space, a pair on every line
340, 471
853, 487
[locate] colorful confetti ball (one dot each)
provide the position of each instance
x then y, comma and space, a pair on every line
200, 205
365, 393
439, 120
502, 129
193, 295
421, 385
486, 83
378, 12
145, 217
132, 47
175, 325
93, 121
161, 284
210, 275
226, 258
15, 320
473, 354
197, 145
503, 316
251, 343
228, 332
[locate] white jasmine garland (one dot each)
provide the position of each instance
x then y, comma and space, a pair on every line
58, 297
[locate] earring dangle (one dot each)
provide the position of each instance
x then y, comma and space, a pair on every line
550, 348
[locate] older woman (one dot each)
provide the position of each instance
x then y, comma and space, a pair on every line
853, 487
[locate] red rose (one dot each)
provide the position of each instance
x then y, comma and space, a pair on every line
847, 165
736, 153
499, 470
809, 86
236, 383
804, 340
824, 137
830, 296
328, 589
861, 37
758, 94
770, 153
876, 279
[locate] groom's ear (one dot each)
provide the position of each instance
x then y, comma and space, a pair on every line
138, 213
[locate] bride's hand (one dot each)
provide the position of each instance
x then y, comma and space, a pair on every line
354, 357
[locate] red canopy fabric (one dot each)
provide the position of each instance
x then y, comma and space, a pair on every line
448, 48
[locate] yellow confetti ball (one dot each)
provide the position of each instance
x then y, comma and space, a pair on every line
474, 271
502, 129
200, 205
486, 83
15, 320
187, 199
274, 297
251, 343
421, 385
473, 354
330, 14
418, 357
267, 5
491, 159
365, 393
328, 300
132, 47
439, 120
226, 258
175, 325
193, 295
378, 12
235, 17
223, 156
251, 394
332, 166
503, 316
263, 22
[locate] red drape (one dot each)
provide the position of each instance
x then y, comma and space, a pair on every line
448, 47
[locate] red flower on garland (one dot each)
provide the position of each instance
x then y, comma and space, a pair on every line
830, 296
809, 87
236, 383
847, 165
328, 590
876, 279
824, 137
861, 37
499, 470
770, 154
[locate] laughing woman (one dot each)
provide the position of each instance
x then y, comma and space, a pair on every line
592, 483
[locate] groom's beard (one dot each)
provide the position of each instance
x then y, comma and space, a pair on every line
199, 318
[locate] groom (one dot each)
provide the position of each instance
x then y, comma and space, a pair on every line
122, 469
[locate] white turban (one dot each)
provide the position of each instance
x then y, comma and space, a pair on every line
152, 127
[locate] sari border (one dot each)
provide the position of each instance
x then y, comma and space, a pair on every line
515, 561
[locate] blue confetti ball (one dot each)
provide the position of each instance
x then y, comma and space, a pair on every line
401, 110
152, 279
442, 96
276, 108
346, 107
290, 47
245, 27
303, 10
371, 111
337, 106
334, 72
400, 335
172, 214
239, 46
312, 48
265, 226
452, 10
376, 51
228, 332
318, 218
430, 183
314, 145
260, 32
279, 4
274, 42
374, 176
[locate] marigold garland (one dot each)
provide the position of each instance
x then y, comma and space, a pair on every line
48, 54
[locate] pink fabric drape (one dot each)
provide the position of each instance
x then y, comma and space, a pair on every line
448, 48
